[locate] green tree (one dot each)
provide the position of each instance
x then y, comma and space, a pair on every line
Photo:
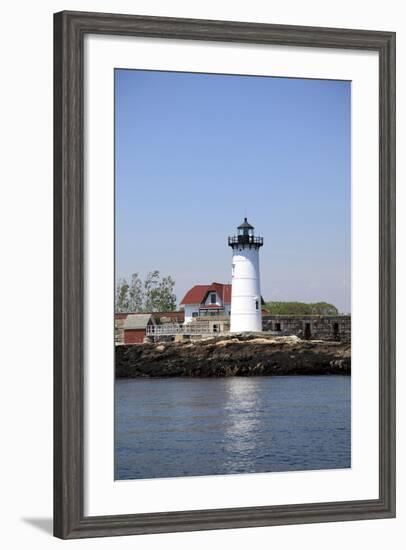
151, 290
152, 294
122, 296
166, 299
136, 293
158, 293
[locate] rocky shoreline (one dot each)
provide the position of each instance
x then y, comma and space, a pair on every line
234, 355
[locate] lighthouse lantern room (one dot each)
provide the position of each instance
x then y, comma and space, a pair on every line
246, 313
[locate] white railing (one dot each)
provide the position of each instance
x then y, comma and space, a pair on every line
172, 329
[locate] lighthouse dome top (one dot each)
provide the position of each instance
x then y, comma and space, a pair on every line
245, 237
245, 225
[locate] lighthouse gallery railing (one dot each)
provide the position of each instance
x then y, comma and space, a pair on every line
245, 239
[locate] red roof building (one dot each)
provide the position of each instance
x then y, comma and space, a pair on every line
207, 300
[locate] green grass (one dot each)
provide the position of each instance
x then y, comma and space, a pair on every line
300, 308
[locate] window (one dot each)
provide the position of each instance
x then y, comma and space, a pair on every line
213, 298
277, 327
195, 314
232, 270
256, 304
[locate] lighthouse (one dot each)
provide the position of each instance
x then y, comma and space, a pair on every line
246, 313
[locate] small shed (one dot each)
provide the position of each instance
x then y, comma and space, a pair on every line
135, 327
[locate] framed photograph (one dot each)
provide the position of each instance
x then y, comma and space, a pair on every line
224, 274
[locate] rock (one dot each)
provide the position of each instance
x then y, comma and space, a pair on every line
236, 355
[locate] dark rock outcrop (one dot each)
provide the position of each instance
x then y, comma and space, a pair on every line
241, 355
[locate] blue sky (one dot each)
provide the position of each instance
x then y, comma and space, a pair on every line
197, 152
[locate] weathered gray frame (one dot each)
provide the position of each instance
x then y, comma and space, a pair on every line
69, 519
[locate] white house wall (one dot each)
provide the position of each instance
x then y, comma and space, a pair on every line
189, 310
194, 308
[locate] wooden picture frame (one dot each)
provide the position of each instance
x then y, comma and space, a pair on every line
70, 29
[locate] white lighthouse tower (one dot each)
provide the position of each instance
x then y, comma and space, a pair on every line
246, 313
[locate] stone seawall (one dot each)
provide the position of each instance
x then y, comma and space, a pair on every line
241, 355
320, 327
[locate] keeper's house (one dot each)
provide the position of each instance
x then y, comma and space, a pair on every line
207, 301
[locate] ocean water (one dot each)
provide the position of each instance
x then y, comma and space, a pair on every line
167, 427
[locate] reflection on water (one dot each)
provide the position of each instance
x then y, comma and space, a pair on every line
242, 416
190, 426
